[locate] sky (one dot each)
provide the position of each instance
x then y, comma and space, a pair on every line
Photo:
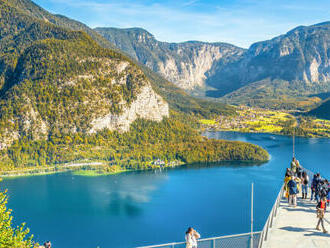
239, 22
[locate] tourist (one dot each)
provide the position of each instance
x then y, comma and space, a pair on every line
292, 185
328, 194
286, 180
293, 166
287, 172
313, 187
305, 182
321, 208
191, 238
318, 187
299, 170
48, 244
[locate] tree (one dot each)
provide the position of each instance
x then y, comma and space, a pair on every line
11, 237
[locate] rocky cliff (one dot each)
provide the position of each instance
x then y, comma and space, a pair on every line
300, 57
185, 64
147, 105
295, 64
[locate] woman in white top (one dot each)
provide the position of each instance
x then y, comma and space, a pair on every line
191, 238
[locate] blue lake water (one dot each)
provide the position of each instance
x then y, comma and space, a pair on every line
141, 208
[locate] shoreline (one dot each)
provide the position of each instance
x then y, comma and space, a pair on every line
242, 131
90, 169
84, 169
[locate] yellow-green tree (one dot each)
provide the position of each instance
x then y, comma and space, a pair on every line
11, 237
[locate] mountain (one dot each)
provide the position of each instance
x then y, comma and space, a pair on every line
300, 58
59, 81
285, 70
33, 10
63, 97
322, 111
186, 64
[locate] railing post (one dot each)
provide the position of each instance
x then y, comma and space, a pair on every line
173, 245
272, 217
261, 239
213, 243
251, 238
267, 227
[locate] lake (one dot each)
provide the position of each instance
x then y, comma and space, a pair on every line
152, 207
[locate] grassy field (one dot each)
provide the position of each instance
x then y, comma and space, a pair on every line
268, 121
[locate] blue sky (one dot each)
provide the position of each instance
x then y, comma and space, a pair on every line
240, 22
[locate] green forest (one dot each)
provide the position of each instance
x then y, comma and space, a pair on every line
170, 140
55, 81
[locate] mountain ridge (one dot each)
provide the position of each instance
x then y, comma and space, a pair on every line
298, 57
185, 64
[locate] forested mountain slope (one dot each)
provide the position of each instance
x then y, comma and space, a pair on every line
322, 111
33, 10
56, 80
64, 97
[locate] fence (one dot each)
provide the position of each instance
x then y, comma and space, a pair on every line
240, 240
270, 219
230, 241
273, 212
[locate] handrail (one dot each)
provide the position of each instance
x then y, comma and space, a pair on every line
200, 240
263, 234
273, 212
272, 215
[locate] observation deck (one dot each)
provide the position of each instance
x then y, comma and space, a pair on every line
296, 227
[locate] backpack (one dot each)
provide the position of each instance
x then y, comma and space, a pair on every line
292, 187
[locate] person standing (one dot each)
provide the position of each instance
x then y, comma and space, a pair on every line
292, 185
313, 186
293, 166
304, 183
286, 188
321, 208
48, 244
318, 187
328, 194
287, 172
191, 238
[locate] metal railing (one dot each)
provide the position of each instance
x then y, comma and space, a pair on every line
270, 219
273, 212
245, 240
230, 241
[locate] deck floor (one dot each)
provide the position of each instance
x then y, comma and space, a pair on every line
296, 227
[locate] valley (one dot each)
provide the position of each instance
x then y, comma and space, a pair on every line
122, 128
67, 96
259, 120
